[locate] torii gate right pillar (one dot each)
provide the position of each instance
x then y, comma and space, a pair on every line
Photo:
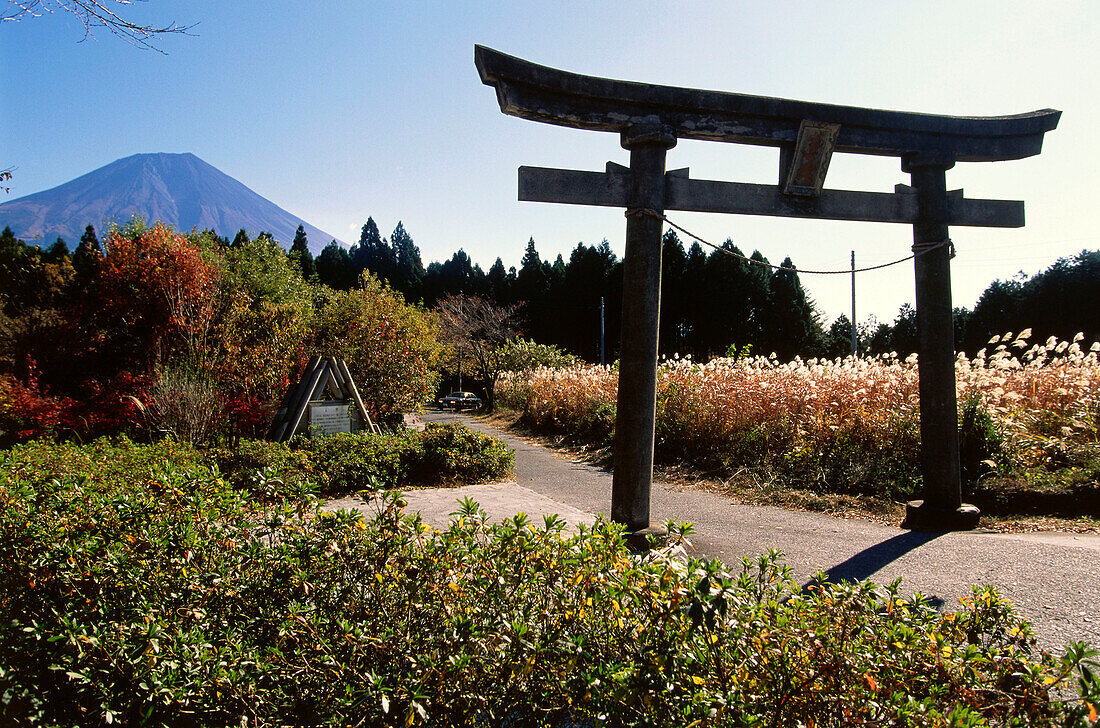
942, 508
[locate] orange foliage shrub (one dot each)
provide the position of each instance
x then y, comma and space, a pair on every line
153, 299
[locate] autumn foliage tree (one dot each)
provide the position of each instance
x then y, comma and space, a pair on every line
264, 319
479, 330
391, 347
153, 299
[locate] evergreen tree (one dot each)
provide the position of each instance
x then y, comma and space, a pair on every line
409, 274
374, 254
674, 326
457, 273
694, 311
585, 282
301, 241
727, 312
960, 324
838, 342
13, 255
1059, 301
9, 243
240, 240
557, 270
531, 288
499, 289
758, 301
998, 310
875, 338
58, 251
555, 326
531, 278
793, 324
903, 339
334, 267
299, 253
89, 243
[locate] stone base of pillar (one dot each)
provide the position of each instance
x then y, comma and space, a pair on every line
639, 541
921, 517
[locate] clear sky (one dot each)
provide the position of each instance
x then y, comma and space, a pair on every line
340, 110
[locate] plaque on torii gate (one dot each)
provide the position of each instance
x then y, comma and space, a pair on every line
650, 119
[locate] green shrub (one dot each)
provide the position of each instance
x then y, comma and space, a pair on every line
455, 453
267, 469
347, 463
177, 602
107, 461
362, 461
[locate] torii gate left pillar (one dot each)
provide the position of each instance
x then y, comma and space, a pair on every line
637, 397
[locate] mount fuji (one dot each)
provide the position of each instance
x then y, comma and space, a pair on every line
178, 189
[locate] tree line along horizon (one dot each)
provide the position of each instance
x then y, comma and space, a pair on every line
711, 305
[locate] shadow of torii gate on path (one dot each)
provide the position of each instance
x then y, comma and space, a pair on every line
651, 118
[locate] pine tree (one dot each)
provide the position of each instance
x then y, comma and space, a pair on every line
838, 342
87, 254
673, 323
695, 269
301, 242
726, 311
58, 251
374, 254
334, 267
793, 324
531, 278
299, 253
499, 289
410, 269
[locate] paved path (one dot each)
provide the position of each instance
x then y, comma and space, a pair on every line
1053, 579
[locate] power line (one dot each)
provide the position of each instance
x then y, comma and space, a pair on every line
918, 249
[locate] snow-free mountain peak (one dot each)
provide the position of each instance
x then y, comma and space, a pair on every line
179, 189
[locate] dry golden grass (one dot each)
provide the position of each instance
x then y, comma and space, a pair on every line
839, 436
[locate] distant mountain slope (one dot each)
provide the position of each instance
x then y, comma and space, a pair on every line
178, 189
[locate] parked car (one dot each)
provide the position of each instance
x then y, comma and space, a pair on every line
459, 401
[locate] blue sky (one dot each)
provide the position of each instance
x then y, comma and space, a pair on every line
337, 111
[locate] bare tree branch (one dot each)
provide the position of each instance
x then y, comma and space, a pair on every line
94, 14
478, 328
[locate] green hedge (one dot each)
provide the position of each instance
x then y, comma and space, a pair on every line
175, 600
450, 454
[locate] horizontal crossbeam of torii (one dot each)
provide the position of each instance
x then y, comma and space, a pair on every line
650, 119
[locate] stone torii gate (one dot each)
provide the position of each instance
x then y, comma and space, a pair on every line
650, 119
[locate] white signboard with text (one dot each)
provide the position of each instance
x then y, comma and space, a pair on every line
329, 418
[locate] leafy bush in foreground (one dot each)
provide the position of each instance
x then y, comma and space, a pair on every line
175, 601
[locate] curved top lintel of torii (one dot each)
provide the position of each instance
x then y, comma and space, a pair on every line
552, 96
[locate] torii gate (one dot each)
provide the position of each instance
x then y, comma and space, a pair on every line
651, 118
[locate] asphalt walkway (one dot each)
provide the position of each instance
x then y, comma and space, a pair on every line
1053, 579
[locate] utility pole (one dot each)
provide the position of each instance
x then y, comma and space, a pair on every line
461, 313
603, 360
855, 339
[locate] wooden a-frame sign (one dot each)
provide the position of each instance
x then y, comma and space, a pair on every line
322, 375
